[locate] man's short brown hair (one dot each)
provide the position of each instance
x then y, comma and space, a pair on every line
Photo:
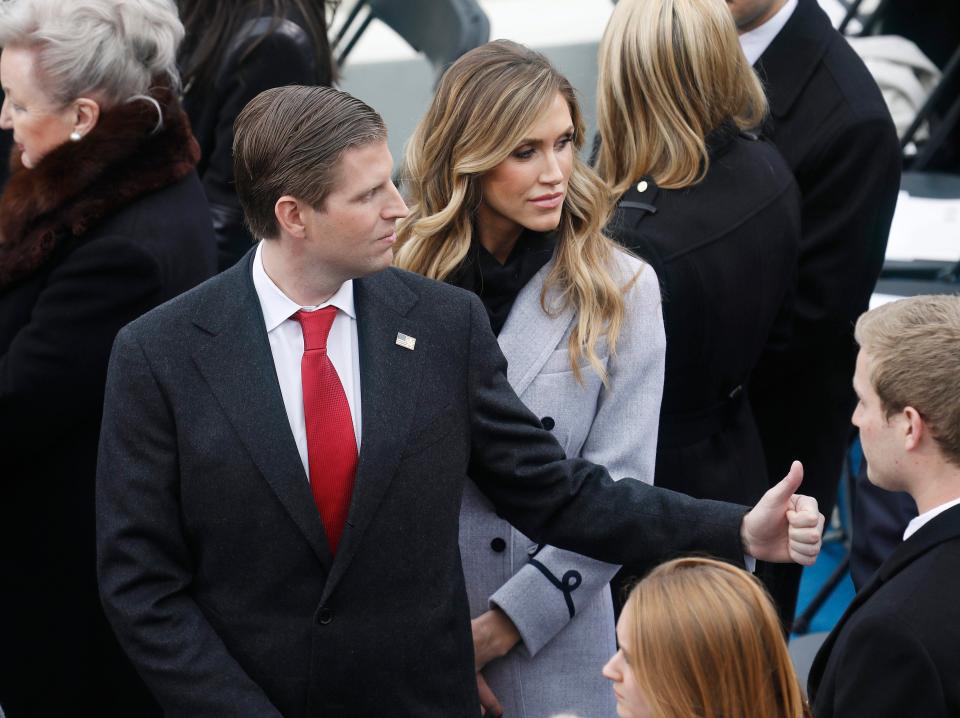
914, 344
288, 141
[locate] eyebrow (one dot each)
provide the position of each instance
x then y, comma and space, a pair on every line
532, 141
369, 189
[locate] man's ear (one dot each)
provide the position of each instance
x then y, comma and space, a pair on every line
915, 427
289, 213
86, 115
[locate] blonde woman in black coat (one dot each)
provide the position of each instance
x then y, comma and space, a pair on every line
715, 211
102, 219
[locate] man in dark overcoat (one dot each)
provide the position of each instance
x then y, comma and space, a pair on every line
829, 121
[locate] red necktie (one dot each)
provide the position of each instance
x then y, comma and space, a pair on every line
331, 443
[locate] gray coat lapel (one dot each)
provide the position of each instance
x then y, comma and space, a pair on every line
234, 358
530, 335
389, 386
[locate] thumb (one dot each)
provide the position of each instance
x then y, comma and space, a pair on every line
781, 492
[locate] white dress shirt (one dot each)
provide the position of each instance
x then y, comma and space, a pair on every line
286, 345
755, 42
916, 523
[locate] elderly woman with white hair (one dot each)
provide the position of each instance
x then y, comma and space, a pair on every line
102, 219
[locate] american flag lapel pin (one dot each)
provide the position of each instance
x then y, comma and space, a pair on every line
406, 342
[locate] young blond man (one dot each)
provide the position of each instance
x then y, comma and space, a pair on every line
894, 652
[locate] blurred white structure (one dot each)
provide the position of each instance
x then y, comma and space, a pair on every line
384, 71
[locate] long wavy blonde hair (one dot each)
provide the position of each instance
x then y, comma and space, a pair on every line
484, 106
670, 72
707, 642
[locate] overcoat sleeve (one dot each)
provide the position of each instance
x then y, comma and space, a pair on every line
846, 214
572, 503
544, 595
143, 557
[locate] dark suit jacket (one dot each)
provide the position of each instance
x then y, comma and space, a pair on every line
725, 251
830, 123
214, 567
896, 650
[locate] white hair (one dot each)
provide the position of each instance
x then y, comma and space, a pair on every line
113, 47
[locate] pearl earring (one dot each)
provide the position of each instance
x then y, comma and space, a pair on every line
75, 136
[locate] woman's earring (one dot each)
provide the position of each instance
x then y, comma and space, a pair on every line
75, 136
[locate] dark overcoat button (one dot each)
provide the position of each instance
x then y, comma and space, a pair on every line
498, 545
548, 423
325, 616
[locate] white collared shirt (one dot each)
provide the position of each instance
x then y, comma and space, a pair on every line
917, 523
756, 42
286, 345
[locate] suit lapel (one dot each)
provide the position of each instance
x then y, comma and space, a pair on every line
234, 358
790, 60
389, 386
823, 655
530, 335
944, 527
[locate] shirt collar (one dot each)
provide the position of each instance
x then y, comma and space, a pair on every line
916, 523
755, 42
278, 307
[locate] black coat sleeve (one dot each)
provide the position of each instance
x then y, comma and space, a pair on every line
275, 62
849, 190
571, 503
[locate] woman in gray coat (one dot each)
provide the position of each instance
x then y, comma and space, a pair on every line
502, 205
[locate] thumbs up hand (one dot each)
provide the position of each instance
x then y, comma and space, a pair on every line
784, 526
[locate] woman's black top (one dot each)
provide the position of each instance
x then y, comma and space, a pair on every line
498, 284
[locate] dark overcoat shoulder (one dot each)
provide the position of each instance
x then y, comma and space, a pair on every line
725, 251
894, 652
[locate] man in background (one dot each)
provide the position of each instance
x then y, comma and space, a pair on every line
829, 121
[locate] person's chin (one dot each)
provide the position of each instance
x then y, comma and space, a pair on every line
381, 261
875, 477
544, 222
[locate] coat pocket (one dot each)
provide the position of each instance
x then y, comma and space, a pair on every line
432, 431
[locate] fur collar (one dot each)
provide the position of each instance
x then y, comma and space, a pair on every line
79, 184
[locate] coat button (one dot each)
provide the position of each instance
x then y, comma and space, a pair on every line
548, 423
642, 186
325, 616
498, 545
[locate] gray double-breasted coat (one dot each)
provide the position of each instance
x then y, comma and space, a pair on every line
559, 600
